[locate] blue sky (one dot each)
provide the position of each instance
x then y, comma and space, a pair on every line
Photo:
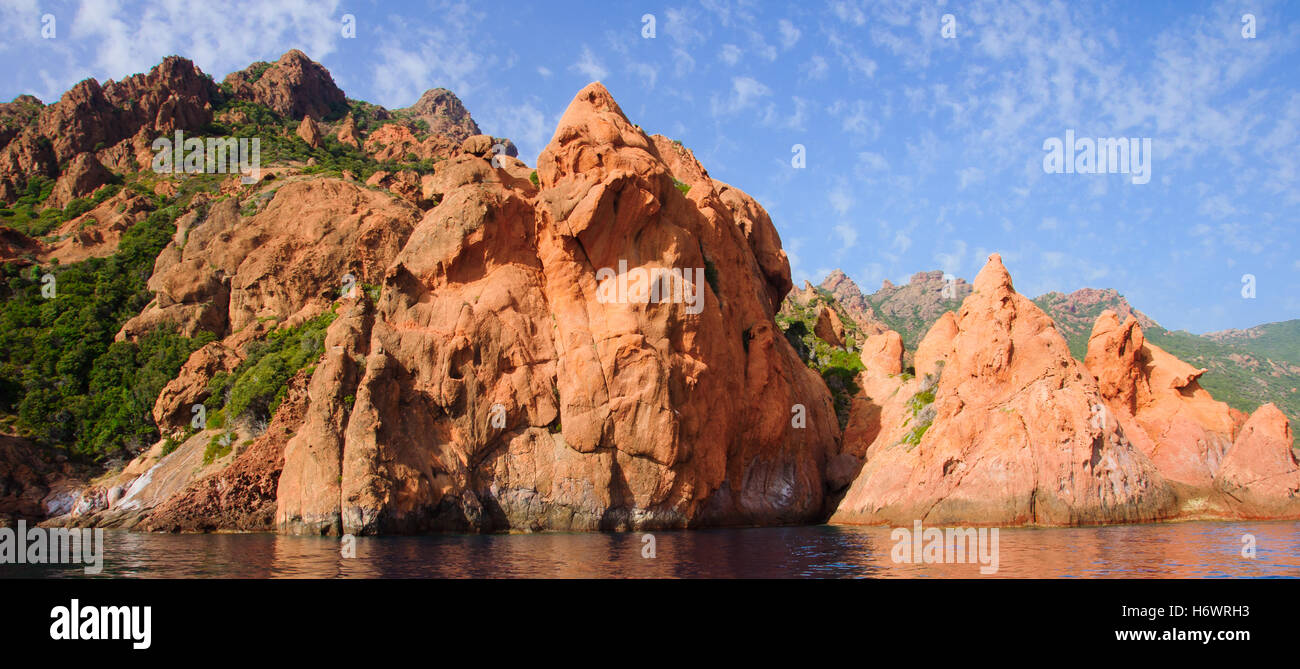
921, 152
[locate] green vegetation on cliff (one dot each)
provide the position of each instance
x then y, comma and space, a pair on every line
1244, 372
837, 366
61, 373
254, 390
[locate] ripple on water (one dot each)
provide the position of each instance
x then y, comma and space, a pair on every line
1170, 550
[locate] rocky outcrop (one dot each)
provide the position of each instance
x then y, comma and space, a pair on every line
26, 156
882, 356
829, 327
35, 484
230, 273
17, 114
125, 499
240, 496
116, 120
1190, 431
1260, 474
1188, 434
406, 184
113, 124
497, 368
82, 176
444, 113
915, 306
294, 86
96, 233
348, 134
174, 408
397, 142
847, 293
175, 95
502, 382
1076, 312
309, 132
18, 248
1001, 433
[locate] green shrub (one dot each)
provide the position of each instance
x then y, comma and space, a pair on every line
256, 70
76, 207
218, 447
255, 389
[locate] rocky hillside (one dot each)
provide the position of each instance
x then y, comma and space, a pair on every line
393, 329
1001, 425
1075, 313
1244, 368
996, 428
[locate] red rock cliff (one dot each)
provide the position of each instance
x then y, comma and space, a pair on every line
496, 385
1001, 432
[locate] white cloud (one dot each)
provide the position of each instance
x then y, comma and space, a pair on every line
873, 162
648, 73
414, 59
745, 91
588, 66
789, 33
858, 119
902, 241
525, 124
849, 11
840, 199
952, 262
730, 54
968, 176
816, 68
794, 121
683, 63
848, 236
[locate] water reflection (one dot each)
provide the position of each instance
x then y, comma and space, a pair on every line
1173, 550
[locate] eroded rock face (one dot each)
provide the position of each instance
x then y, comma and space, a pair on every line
1008, 438
33, 483
240, 496
1188, 434
445, 114
83, 175
348, 133
309, 132
174, 95
231, 273
18, 248
848, 294
501, 382
115, 121
876, 405
96, 233
396, 142
1189, 430
1260, 474
883, 353
174, 408
295, 86
829, 328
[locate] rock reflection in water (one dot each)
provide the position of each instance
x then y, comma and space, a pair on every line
1173, 550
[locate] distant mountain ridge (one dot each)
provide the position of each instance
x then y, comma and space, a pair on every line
1245, 368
